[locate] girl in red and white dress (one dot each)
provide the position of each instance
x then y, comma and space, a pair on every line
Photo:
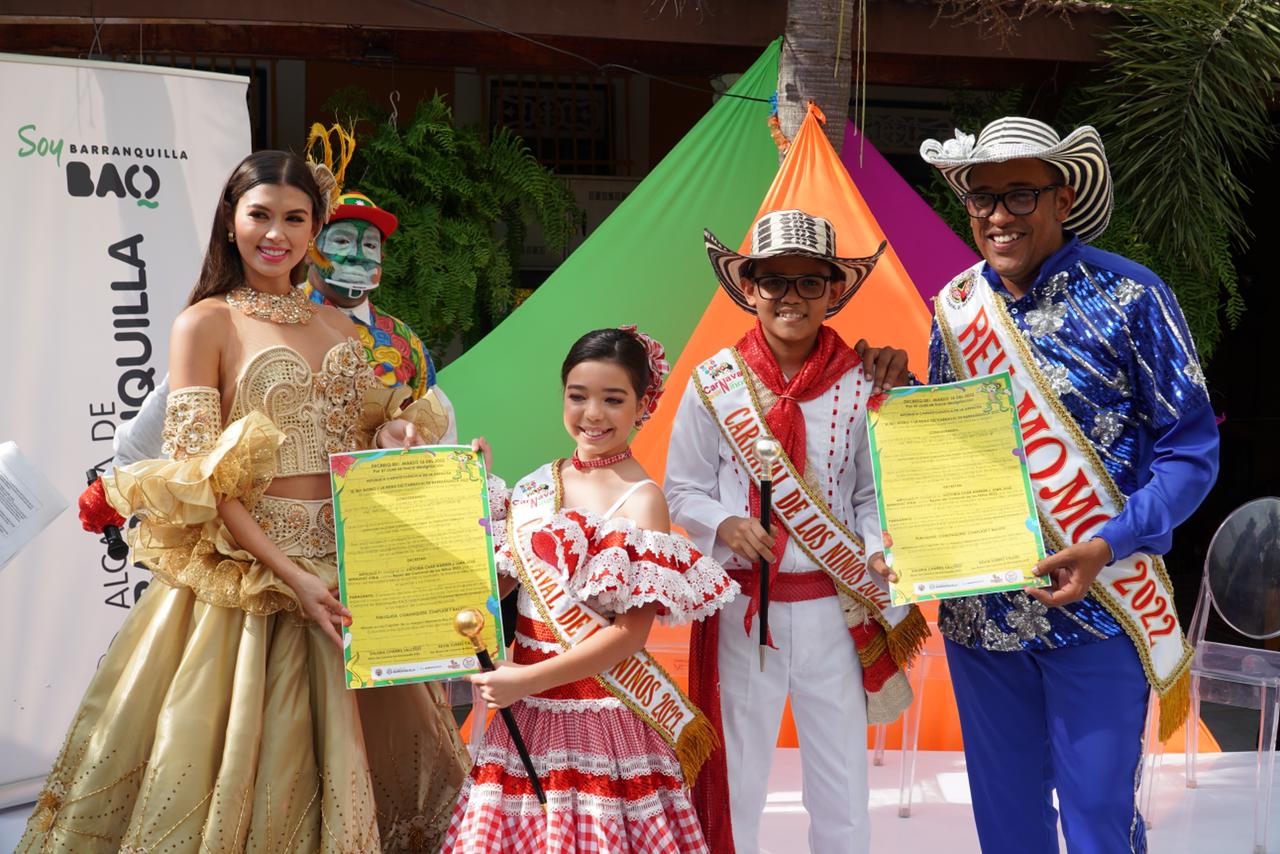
613, 739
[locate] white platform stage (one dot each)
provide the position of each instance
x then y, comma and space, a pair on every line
1217, 817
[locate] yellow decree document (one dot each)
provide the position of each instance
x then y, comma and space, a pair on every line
953, 490
414, 549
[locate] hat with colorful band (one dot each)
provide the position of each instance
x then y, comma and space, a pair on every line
1080, 158
790, 232
353, 205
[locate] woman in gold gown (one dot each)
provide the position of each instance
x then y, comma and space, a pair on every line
218, 720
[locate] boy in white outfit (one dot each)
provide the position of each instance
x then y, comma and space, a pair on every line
836, 645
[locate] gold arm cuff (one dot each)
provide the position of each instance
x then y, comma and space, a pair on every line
192, 421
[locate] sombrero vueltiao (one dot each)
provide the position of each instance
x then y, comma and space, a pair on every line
1080, 157
353, 205
790, 232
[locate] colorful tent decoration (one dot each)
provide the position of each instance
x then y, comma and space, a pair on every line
646, 265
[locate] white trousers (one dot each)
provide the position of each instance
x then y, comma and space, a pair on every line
815, 662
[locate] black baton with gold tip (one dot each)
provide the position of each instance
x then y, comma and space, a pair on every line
470, 623
767, 452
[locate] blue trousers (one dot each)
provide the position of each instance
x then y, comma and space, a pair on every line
1069, 719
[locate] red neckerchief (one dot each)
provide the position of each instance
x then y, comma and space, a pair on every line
829, 360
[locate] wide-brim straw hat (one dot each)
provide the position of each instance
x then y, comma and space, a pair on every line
791, 232
1080, 157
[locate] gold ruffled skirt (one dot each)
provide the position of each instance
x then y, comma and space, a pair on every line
211, 728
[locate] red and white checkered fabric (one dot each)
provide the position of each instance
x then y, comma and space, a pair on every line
613, 786
487, 830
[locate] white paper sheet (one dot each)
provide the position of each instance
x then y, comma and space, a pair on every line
28, 502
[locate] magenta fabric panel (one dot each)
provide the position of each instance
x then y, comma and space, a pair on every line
930, 251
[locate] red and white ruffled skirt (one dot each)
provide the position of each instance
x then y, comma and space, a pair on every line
613, 786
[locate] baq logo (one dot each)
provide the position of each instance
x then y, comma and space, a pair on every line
81, 184
137, 180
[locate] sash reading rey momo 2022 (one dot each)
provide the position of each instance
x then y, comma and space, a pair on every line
1073, 491
638, 681
724, 388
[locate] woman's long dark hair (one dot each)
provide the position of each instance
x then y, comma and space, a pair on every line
611, 345
223, 269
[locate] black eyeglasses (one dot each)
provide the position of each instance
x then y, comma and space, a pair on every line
1019, 202
807, 287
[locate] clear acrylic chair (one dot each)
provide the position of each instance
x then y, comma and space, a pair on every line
1242, 583
918, 676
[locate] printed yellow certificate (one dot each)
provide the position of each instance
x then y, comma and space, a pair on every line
951, 482
414, 549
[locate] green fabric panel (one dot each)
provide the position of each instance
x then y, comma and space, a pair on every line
646, 264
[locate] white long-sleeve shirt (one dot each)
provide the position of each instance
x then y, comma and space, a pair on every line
142, 437
705, 484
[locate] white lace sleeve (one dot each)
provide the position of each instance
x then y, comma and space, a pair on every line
617, 566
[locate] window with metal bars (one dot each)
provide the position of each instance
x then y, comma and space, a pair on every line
573, 125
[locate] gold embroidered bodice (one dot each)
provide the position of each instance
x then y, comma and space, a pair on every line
319, 413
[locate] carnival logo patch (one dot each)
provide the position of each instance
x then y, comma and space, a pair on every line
719, 378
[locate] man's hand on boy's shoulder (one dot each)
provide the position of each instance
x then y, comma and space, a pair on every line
886, 367
747, 537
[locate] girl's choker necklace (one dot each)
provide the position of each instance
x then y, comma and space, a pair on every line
602, 462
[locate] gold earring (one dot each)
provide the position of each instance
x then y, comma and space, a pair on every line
231, 236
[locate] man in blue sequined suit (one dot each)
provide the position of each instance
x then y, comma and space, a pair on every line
1050, 688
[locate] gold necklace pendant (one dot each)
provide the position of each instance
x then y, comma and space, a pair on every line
293, 307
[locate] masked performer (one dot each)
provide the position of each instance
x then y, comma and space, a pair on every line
344, 265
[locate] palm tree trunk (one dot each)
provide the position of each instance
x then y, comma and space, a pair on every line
816, 64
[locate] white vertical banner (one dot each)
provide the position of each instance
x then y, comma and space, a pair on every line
110, 176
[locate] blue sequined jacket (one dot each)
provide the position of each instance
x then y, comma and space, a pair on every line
1111, 340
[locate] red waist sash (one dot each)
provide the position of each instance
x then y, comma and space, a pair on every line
787, 586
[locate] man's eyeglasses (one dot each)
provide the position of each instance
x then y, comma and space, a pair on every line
1019, 202
807, 287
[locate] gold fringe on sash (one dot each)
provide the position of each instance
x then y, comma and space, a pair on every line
1175, 704
907, 639
697, 742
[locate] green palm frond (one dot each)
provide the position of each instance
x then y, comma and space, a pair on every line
1182, 105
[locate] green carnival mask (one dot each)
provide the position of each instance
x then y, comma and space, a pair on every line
353, 249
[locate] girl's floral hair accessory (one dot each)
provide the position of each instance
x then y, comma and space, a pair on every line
658, 369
